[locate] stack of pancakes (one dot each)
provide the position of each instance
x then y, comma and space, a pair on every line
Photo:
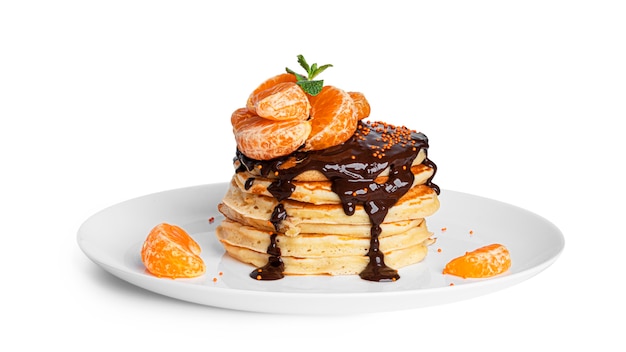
304, 217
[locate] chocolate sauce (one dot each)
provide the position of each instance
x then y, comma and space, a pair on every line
279, 214
377, 270
249, 182
274, 268
281, 189
352, 168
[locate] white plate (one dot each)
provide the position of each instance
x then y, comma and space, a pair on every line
113, 237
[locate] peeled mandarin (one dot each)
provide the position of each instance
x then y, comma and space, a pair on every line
263, 139
239, 117
361, 105
170, 252
483, 262
268, 83
283, 101
333, 118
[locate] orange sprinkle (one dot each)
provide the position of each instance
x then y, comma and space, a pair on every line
439, 250
452, 284
275, 173
214, 279
220, 273
259, 277
444, 229
471, 232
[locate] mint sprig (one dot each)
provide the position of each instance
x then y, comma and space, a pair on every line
307, 82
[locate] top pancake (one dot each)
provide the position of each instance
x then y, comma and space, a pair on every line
316, 192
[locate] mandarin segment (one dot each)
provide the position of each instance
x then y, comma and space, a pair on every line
483, 262
268, 83
263, 139
170, 252
283, 101
239, 118
361, 105
333, 118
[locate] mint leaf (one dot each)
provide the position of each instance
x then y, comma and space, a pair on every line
306, 82
298, 76
312, 88
319, 70
303, 63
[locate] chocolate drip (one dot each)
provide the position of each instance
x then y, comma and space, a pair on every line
279, 214
352, 168
376, 269
249, 182
429, 182
281, 189
274, 268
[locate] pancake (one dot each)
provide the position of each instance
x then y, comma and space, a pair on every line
318, 244
315, 192
355, 230
344, 265
256, 210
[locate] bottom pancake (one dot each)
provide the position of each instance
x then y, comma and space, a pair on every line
346, 265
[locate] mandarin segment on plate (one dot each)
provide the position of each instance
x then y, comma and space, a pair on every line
283, 101
170, 252
268, 83
333, 118
483, 262
264, 139
361, 105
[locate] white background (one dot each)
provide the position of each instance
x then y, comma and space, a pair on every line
103, 101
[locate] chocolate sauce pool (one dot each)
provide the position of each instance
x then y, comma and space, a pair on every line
352, 168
